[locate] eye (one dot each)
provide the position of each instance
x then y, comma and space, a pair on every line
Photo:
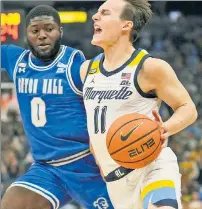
35, 31
49, 29
105, 12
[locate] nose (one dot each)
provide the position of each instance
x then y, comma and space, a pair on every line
42, 34
95, 17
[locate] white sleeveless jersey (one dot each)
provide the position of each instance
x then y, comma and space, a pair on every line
109, 95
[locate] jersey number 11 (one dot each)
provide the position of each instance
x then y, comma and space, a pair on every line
102, 118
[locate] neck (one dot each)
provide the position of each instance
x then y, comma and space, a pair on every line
116, 55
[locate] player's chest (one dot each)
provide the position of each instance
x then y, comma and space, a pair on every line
31, 81
99, 88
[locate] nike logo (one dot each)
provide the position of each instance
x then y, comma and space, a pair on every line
125, 137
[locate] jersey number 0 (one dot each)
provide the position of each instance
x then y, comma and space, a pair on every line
38, 112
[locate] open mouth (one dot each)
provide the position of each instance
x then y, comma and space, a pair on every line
97, 30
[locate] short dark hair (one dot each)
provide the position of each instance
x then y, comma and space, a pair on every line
138, 11
41, 10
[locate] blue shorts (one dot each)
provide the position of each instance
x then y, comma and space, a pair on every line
79, 180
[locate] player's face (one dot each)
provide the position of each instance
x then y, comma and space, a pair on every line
108, 26
44, 37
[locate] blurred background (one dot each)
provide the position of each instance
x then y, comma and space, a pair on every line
173, 34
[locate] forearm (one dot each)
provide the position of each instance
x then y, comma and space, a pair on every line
182, 117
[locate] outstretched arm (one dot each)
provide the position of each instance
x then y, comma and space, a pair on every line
9, 57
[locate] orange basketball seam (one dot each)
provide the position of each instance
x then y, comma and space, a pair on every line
122, 126
134, 141
142, 158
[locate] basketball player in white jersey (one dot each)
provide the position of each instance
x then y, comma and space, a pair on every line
125, 80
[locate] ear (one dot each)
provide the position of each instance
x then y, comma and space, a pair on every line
128, 25
61, 31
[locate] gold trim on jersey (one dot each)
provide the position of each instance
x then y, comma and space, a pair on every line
94, 68
138, 58
157, 185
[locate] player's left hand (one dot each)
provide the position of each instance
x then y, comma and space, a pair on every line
164, 133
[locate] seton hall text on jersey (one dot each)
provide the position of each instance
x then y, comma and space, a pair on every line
122, 94
47, 86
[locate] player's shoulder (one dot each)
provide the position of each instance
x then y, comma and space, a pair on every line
85, 64
153, 67
76, 51
12, 48
84, 69
90, 62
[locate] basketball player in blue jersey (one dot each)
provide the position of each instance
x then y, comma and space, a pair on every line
48, 89
126, 80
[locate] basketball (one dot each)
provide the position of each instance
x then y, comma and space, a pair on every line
133, 141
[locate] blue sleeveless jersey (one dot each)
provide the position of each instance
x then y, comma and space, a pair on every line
51, 103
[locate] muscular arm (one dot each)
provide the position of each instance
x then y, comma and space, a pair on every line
159, 76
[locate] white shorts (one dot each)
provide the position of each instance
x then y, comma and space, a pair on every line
158, 183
